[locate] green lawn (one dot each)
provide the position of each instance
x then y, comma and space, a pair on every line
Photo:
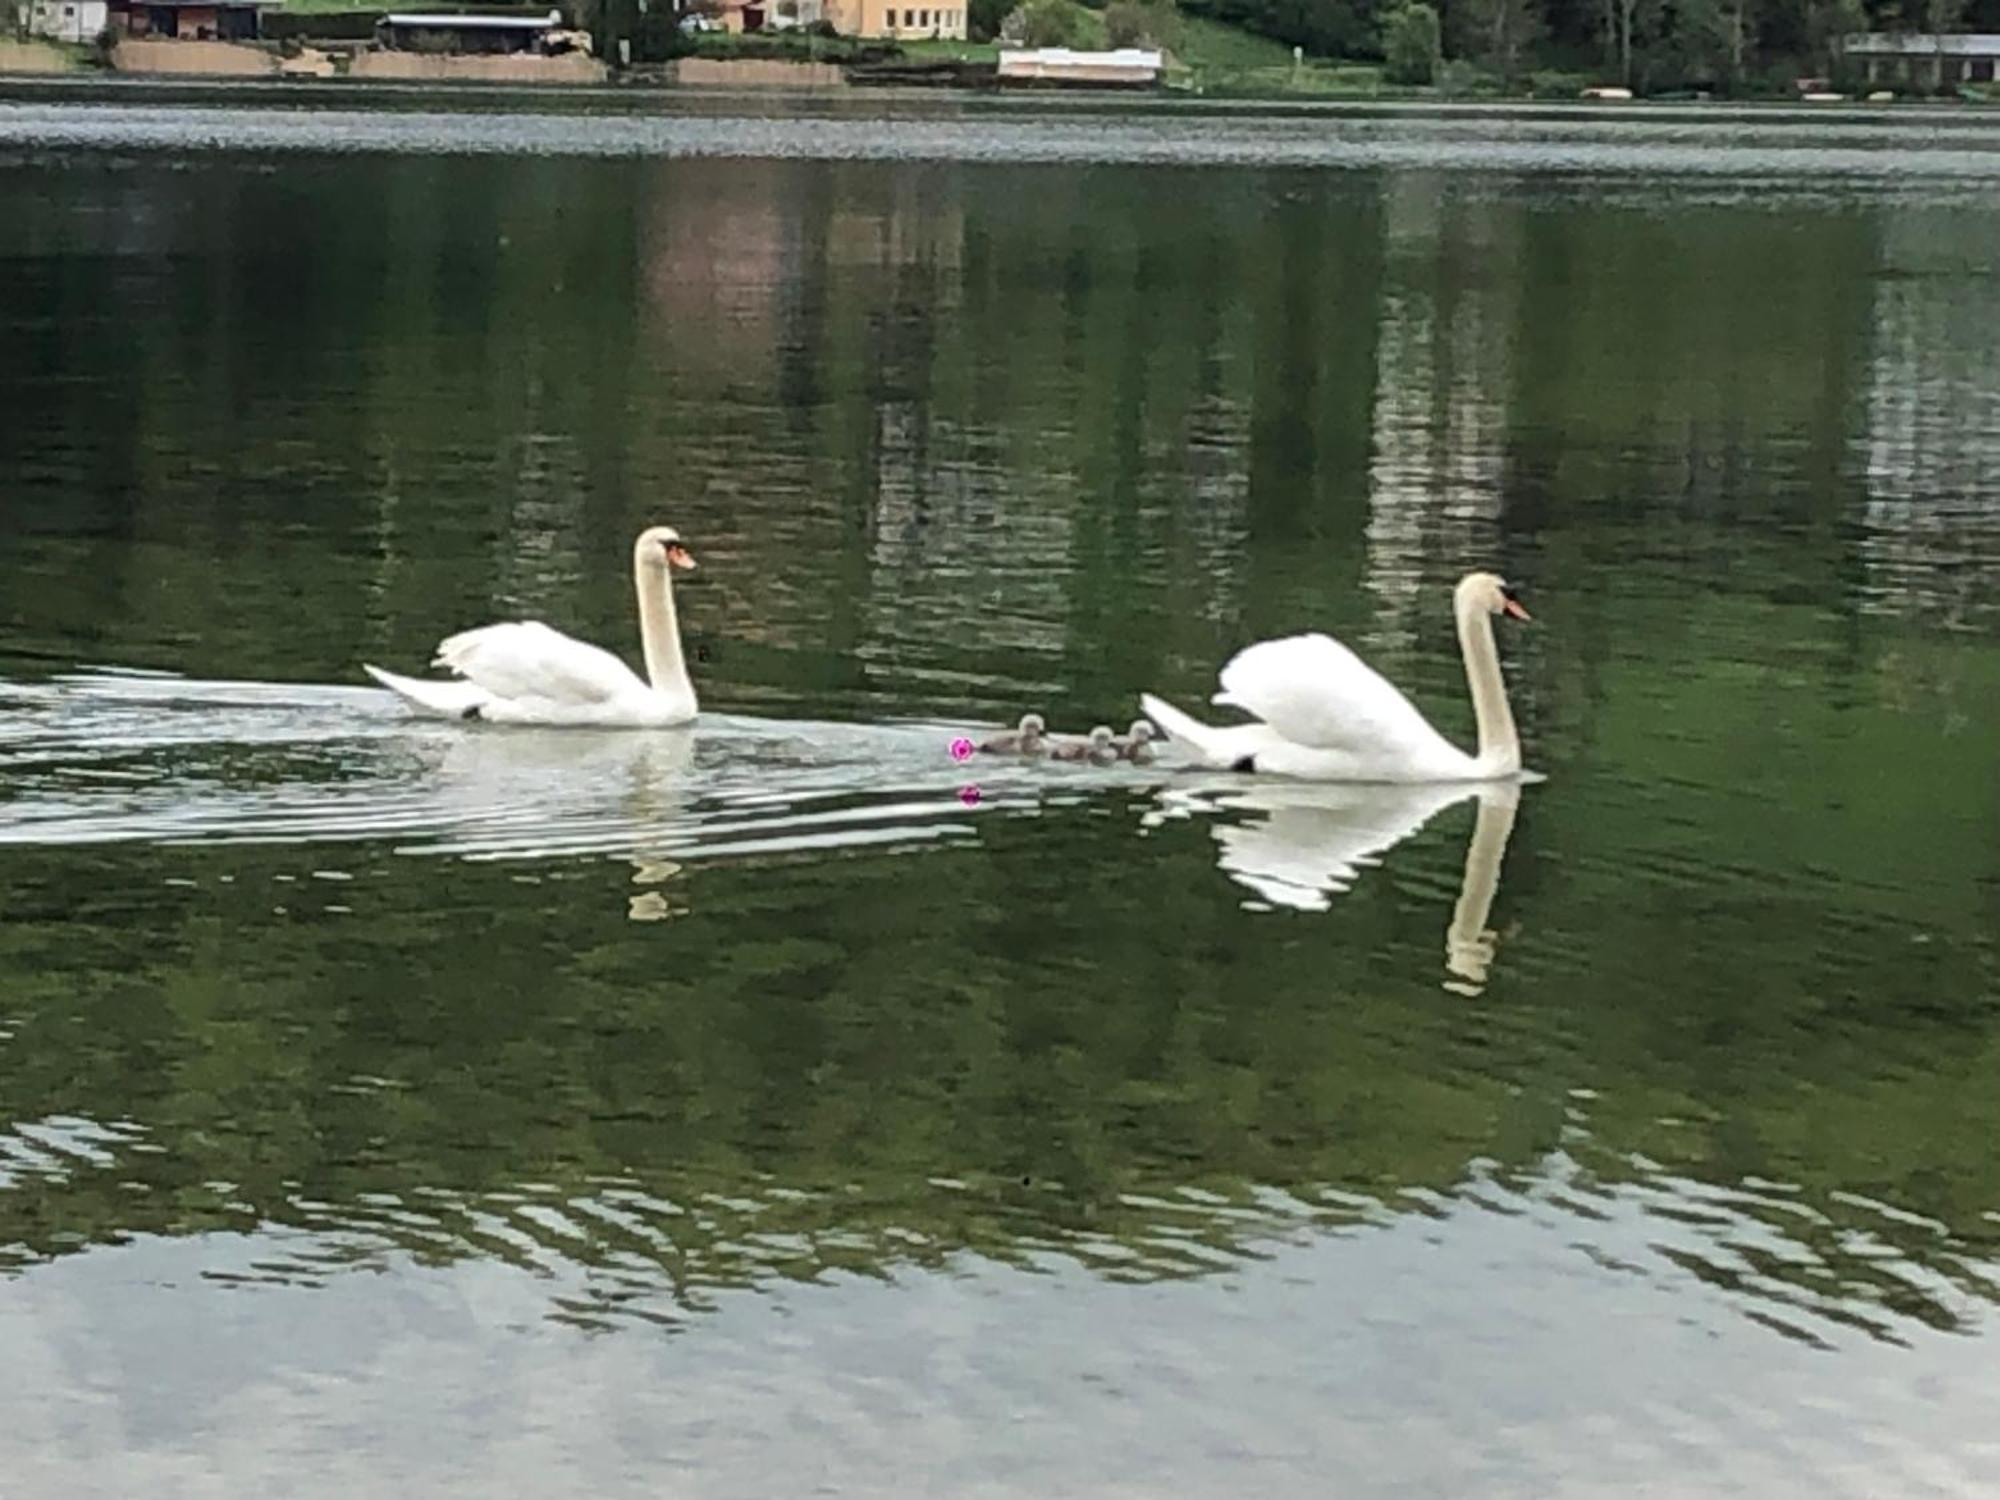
1210, 44
982, 52
1224, 60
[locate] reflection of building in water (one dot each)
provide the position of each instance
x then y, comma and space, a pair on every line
1217, 484
730, 249
719, 242
781, 300
1930, 450
938, 578
906, 224
1443, 374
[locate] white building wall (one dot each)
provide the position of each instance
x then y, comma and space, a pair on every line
69, 20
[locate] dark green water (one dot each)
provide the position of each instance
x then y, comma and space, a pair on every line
396, 1106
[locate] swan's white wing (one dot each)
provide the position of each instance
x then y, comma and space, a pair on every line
1316, 692
527, 660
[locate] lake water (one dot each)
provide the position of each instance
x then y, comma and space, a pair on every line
783, 1108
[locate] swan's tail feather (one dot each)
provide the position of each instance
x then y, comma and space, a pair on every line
1215, 745
452, 699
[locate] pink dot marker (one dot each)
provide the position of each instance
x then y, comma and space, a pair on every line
961, 748
969, 795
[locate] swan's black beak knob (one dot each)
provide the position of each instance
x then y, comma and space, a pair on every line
1510, 605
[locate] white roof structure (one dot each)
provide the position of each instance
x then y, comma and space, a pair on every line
478, 23
1921, 44
1135, 63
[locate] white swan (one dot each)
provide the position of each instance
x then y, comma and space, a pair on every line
525, 673
1328, 716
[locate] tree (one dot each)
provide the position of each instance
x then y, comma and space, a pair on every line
1410, 44
1716, 39
984, 18
1131, 23
1826, 22
1056, 23
1628, 26
1330, 28
1502, 34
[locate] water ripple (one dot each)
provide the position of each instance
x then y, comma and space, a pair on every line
1767, 146
119, 757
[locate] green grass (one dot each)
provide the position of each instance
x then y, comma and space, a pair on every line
1229, 62
1210, 44
781, 46
1313, 81
929, 51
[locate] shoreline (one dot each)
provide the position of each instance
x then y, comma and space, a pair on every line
215, 64
223, 90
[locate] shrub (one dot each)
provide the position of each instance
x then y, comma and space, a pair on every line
1553, 83
1410, 44
1132, 23
1459, 79
1059, 23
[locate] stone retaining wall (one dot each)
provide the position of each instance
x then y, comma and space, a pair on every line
571, 67
202, 59
753, 73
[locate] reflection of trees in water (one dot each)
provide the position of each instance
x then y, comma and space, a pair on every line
1930, 519
1002, 431
1437, 480
877, 1063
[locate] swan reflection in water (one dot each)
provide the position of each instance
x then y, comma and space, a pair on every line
663, 800
1314, 839
656, 800
576, 792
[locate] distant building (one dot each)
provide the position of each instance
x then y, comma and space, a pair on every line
188, 20
862, 18
1129, 66
69, 20
423, 32
902, 22
1926, 59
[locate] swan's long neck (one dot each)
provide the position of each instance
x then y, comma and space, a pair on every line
660, 631
1499, 744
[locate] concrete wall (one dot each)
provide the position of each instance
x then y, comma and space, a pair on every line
202, 59
31, 57
753, 73
571, 67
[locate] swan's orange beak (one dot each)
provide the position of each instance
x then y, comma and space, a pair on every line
679, 556
1512, 609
